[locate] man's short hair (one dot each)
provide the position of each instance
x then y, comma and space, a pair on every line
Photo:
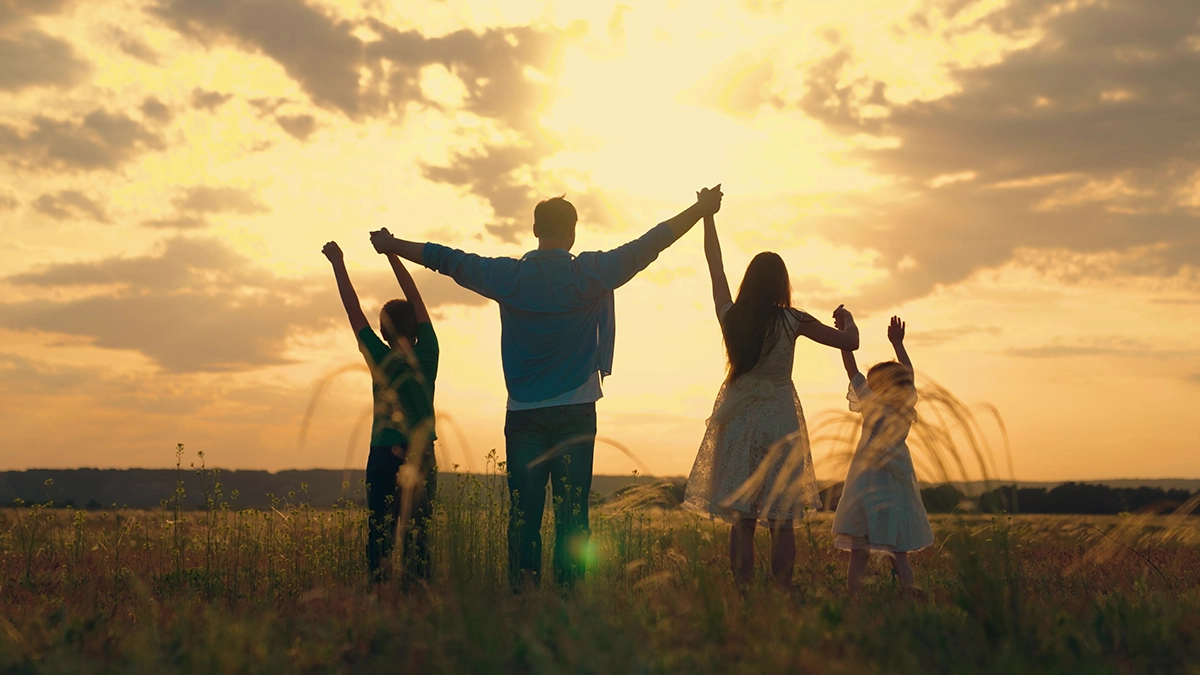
554, 217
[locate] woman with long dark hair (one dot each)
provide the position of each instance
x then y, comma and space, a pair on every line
755, 464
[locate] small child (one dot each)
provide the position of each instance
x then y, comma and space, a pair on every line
401, 468
881, 508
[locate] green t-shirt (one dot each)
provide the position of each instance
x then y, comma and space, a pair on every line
402, 385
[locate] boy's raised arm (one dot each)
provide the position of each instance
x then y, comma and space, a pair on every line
358, 320
409, 287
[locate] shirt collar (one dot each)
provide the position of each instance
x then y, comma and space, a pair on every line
547, 253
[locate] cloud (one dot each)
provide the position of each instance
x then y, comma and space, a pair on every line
299, 127
1101, 346
1082, 141
70, 205
156, 110
8, 202
133, 46
502, 176
177, 223
99, 141
34, 58
205, 199
208, 100
196, 305
382, 77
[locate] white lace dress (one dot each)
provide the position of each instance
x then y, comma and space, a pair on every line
881, 506
755, 461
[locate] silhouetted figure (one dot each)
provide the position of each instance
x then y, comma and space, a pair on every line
881, 507
401, 468
754, 462
558, 330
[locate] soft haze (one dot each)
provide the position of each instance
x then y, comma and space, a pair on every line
1019, 180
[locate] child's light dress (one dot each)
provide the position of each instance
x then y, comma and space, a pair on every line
755, 461
881, 506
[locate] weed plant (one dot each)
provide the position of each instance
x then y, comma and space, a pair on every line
229, 590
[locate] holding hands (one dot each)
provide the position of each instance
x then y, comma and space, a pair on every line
842, 318
709, 199
382, 240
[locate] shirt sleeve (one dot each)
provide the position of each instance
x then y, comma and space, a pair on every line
859, 393
794, 317
373, 348
616, 267
492, 278
723, 312
427, 350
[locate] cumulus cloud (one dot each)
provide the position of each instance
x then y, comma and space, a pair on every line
34, 58
101, 140
299, 127
195, 305
340, 71
133, 46
207, 199
8, 202
70, 205
209, 100
1084, 141
156, 110
177, 223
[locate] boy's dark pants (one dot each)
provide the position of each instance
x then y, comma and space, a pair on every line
555, 444
384, 500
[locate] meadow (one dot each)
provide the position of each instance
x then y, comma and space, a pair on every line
220, 590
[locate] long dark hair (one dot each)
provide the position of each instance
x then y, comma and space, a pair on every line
757, 315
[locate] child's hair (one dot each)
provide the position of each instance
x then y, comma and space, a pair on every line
756, 315
398, 319
891, 381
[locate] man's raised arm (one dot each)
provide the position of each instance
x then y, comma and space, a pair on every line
618, 266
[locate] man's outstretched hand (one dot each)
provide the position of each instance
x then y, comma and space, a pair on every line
333, 252
709, 199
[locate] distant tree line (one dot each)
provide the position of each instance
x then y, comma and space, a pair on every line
1074, 498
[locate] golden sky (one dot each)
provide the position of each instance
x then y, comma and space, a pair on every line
1019, 180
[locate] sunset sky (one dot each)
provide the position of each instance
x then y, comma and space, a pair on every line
1020, 181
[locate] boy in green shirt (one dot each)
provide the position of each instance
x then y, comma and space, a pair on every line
401, 469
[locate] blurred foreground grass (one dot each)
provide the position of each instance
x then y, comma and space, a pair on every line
283, 590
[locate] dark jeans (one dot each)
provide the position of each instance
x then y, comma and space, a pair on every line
384, 499
555, 444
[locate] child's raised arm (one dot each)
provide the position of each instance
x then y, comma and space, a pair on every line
358, 320
407, 285
843, 320
716, 266
896, 337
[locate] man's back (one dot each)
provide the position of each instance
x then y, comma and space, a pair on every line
556, 310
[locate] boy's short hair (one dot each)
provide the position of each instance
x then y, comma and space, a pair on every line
554, 217
398, 319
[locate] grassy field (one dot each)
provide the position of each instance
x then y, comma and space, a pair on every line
283, 590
